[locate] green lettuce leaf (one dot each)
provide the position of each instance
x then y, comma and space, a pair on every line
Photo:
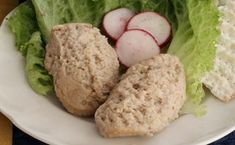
38, 78
23, 23
134, 5
53, 12
195, 44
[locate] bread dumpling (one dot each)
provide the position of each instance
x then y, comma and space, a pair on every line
148, 98
84, 67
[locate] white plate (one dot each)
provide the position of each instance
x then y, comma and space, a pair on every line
45, 119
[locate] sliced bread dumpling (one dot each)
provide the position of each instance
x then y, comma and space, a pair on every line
148, 98
84, 67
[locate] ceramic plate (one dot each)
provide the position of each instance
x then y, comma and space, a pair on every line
45, 119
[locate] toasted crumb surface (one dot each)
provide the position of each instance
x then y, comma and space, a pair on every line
84, 67
221, 80
148, 97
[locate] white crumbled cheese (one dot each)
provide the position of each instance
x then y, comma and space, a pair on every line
221, 81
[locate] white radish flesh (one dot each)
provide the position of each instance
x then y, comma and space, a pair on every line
153, 23
114, 22
136, 45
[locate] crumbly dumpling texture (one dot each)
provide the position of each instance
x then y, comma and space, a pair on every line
221, 81
84, 66
148, 97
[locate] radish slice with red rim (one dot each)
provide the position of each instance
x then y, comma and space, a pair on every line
114, 22
153, 23
136, 45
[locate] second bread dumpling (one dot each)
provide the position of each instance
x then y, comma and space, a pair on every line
83, 65
148, 97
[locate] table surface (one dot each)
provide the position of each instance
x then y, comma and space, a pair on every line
11, 135
5, 125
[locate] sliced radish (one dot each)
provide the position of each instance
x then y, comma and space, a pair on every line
153, 23
136, 45
114, 22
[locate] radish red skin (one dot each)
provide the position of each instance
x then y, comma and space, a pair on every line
162, 43
120, 21
167, 41
140, 52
